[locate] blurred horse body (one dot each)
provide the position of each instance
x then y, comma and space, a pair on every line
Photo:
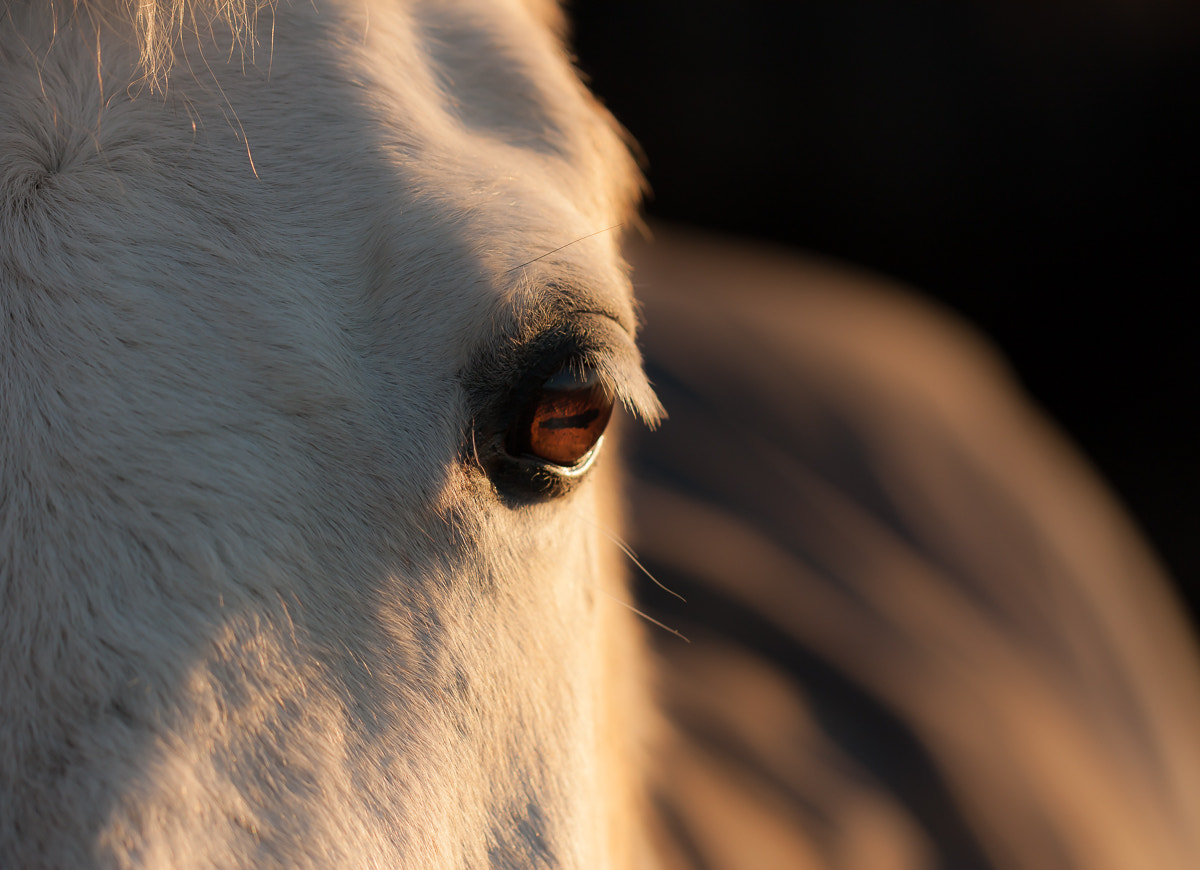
278, 590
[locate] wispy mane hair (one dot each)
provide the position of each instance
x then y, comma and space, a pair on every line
159, 25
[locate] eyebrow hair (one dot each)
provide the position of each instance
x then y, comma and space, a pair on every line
566, 245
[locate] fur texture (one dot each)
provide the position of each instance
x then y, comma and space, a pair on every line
261, 608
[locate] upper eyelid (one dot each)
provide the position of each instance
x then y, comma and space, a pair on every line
508, 366
535, 306
507, 362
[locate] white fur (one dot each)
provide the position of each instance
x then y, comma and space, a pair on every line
258, 609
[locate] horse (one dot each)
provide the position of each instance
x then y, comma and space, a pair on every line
313, 320
304, 560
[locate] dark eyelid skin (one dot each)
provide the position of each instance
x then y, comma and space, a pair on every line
509, 366
557, 316
504, 375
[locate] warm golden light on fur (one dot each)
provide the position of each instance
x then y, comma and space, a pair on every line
312, 555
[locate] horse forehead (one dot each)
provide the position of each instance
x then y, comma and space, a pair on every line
450, 152
423, 119
480, 123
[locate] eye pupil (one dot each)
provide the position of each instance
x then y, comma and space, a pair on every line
565, 426
569, 421
564, 421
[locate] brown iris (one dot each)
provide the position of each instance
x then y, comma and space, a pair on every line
564, 420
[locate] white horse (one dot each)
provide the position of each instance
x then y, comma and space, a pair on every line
297, 570
311, 321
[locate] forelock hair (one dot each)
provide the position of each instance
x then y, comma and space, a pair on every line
159, 25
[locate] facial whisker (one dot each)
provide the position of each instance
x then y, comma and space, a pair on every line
645, 616
628, 551
560, 247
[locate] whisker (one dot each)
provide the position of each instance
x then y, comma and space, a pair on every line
475, 449
560, 247
628, 551
644, 616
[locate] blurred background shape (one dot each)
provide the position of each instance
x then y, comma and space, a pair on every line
1033, 165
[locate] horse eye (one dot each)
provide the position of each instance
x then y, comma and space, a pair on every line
564, 420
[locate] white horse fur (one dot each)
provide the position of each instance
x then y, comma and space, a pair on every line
259, 283
274, 285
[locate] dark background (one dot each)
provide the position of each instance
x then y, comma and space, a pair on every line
1033, 165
